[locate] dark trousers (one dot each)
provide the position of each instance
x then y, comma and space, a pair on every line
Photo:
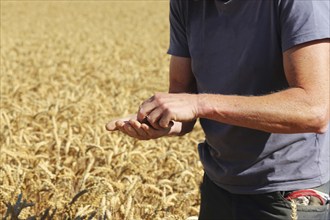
219, 204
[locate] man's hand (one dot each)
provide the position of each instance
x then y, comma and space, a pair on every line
163, 109
165, 114
133, 128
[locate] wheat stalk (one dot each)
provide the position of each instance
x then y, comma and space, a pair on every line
294, 214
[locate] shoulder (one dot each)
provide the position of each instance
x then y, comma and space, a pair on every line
179, 5
297, 9
302, 21
179, 10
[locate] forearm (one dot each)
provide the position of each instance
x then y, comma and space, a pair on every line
181, 81
288, 111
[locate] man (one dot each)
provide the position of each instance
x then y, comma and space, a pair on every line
256, 74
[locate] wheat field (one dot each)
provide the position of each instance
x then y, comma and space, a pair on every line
67, 68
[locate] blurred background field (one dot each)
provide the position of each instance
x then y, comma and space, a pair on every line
68, 67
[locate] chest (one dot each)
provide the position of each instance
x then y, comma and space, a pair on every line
229, 42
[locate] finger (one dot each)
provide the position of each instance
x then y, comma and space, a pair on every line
154, 117
111, 126
147, 129
153, 133
145, 121
164, 125
120, 126
165, 120
137, 126
130, 130
145, 108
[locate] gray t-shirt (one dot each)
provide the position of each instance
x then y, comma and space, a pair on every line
236, 48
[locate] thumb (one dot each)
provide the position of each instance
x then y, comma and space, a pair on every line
164, 125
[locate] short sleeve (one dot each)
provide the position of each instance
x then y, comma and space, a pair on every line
303, 20
178, 37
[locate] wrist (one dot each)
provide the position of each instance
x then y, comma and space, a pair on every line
201, 105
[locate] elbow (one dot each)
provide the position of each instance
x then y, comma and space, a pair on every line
319, 120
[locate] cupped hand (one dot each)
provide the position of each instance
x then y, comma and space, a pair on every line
133, 128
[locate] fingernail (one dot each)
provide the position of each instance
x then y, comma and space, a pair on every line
110, 127
119, 123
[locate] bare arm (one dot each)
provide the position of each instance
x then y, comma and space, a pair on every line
182, 81
304, 107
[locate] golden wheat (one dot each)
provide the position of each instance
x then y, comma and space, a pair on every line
68, 67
